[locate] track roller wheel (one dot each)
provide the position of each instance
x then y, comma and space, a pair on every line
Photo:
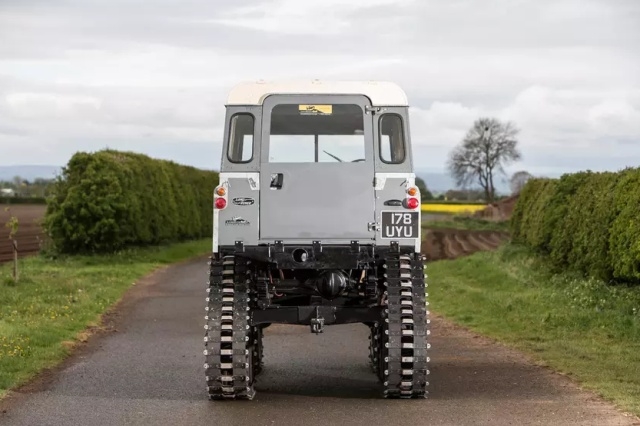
229, 340
404, 331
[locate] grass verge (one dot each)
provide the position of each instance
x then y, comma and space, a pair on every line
466, 222
56, 300
581, 327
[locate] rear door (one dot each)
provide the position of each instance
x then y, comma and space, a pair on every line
316, 176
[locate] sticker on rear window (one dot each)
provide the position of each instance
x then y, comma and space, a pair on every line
315, 109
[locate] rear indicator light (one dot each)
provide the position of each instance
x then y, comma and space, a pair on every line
413, 203
412, 191
220, 203
221, 191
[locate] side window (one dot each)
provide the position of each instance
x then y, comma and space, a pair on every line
241, 138
391, 139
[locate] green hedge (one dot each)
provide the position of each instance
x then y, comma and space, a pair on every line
23, 200
109, 200
589, 222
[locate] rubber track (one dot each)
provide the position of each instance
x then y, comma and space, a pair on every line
404, 331
228, 341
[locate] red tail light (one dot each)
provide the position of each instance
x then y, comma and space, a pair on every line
413, 203
220, 203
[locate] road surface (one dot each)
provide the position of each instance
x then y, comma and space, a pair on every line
149, 371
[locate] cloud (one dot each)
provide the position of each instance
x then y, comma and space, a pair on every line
558, 128
84, 74
444, 124
34, 106
576, 117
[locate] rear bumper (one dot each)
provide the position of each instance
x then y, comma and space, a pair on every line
317, 255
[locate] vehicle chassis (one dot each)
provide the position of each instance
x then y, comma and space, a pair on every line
389, 298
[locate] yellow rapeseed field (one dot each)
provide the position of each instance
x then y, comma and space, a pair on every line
452, 208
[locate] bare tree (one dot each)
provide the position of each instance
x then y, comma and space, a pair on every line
519, 180
483, 152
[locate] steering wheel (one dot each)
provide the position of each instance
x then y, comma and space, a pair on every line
358, 160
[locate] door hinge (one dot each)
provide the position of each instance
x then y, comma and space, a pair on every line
371, 109
373, 226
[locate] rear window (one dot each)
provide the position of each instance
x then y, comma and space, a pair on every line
391, 139
316, 133
241, 138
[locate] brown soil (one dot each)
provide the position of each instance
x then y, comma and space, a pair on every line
501, 210
30, 235
441, 244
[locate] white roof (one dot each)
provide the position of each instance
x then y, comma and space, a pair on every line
381, 93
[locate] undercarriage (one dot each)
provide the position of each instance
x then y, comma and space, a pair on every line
250, 288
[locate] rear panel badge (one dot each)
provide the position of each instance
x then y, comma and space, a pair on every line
237, 220
243, 201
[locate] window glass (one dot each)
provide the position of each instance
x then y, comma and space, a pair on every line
241, 138
391, 139
316, 133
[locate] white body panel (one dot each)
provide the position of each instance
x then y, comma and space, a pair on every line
381, 93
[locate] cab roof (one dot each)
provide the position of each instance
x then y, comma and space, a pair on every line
381, 93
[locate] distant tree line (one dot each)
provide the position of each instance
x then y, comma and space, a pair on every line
470, 195
19, 187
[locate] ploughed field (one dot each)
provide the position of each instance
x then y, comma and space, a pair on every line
438, 244
29, 235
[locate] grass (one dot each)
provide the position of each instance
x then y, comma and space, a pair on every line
55, 301
581, 327
466, 222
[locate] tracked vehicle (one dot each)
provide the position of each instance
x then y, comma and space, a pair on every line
316, 222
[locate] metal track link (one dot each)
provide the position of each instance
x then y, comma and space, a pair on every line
373, 279
258, 352
229, 343
403, 334
374, 349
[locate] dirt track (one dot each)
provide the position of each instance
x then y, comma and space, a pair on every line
150, 372
29, 235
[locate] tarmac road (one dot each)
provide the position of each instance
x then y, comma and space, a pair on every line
150, 372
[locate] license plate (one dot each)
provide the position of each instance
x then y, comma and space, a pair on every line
400, 224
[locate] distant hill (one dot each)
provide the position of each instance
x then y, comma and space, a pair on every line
436, 182
29, 172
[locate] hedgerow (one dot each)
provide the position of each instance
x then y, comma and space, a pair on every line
109, 200
624, 241
588, 222
23, 200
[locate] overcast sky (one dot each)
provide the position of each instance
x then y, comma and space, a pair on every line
152, 76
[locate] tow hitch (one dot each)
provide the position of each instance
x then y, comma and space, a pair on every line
317, 323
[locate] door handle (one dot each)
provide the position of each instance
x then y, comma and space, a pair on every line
276, 181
